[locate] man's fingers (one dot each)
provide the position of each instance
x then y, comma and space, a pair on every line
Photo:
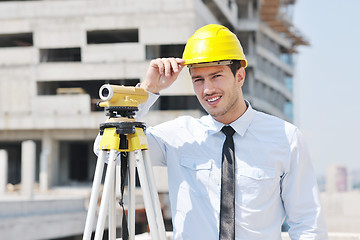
160, 66
180, 61
162, 72
174, 64
168, 66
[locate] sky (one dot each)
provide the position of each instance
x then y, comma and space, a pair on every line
327, 82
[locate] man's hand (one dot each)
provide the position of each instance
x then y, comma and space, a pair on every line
162, 72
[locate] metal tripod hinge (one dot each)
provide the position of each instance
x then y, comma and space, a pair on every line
118, 137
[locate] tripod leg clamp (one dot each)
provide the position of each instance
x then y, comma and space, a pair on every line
112, 140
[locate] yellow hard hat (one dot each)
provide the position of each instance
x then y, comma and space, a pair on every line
213, 43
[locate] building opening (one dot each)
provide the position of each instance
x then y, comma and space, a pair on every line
166, 50
16, 40
13, 150
179, 103
112, 36
90, 87
14, 161
77, 162
60, 55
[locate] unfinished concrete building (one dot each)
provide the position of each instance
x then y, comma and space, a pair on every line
55, 55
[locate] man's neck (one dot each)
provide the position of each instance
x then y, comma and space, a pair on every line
235, 114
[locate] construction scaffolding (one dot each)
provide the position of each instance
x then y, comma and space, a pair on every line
275, 13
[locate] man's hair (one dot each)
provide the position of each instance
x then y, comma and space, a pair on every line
236, 65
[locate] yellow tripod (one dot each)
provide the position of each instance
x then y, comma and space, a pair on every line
122, 135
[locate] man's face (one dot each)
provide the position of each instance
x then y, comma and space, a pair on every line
219, 92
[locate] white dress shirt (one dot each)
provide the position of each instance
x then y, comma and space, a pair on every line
274, 176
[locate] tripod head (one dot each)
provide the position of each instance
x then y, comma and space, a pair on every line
121, 101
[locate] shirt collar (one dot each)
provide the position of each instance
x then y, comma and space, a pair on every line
240, 125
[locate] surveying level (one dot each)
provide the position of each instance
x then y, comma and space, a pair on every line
122, 136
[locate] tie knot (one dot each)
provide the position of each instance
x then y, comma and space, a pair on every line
228, 131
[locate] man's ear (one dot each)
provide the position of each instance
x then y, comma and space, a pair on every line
240, 75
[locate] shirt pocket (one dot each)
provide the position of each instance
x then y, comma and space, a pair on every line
196, 174
255, 182
257, 173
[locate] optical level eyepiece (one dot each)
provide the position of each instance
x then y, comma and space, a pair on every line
106, 92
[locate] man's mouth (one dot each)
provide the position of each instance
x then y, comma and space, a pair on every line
213, 100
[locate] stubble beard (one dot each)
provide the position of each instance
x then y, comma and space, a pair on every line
226, 110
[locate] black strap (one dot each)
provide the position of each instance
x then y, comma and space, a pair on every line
124, 170
227, 205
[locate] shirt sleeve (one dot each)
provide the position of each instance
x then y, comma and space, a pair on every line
144, 107
300, 195
156, 145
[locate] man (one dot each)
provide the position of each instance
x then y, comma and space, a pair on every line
237, 185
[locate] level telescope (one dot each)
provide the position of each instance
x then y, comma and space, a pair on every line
121, 96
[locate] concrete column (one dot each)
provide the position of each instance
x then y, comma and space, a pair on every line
49, 162
250, 77
250, 9
251, 45
28, 155
44, 170
3, 171
44, 178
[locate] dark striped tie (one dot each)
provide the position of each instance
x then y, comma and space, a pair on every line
227, 206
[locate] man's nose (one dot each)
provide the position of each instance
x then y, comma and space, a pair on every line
209, 87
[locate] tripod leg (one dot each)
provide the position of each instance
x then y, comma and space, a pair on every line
112, 212
154, 195
109, 178
148, 201
132, 196
94, 196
